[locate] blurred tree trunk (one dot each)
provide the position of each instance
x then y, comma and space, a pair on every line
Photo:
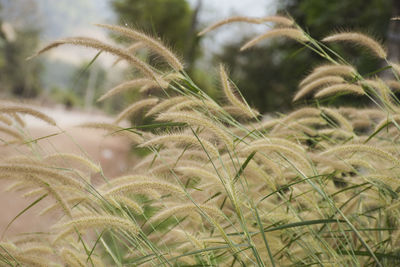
393, 39
91, 87
192, 38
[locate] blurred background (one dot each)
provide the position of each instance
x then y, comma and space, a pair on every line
266, 74
66, 82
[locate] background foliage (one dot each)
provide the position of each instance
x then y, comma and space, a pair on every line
17, 76
268, 74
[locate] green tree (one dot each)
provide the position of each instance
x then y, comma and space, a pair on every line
173, 20
268, 74
17, 75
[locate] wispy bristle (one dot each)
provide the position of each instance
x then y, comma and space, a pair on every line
188, 209
127, 202
276, 19
150, 42
343, 122
166, 104
291, 33
326, 80
135, 107
74, 157
352, 148
143, 185
98, 221
26, 110
131, 49
246, 110
185, 140
194, 119
328, 70
358, 38
96, 44
132, 84
340, 88
25, 169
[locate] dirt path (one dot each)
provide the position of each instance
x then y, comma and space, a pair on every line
111, 152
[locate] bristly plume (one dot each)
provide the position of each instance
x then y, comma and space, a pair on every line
340, 88
150, 42
149, 102
226, 86
360, 39
280, 20
142, 186
196, 119
131, 49
291, 33
184, 139
353, 148
328, 70
166, 104
97, 221
326, 80
132, 84
26, 110
73, 157
96, 44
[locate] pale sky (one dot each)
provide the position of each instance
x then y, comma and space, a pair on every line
61, 18
222, 8
212, 10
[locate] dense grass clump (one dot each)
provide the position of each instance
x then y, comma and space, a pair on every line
220, 186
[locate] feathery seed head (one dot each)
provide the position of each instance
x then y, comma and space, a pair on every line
340, 88
186, 140
291, 33
359, 38
73, 157
96, 44
133, 84
150, 42
328, 70
228, 91
196, 119
276, 19
96, 221
138, 187
135, 107
326, 80
26, 110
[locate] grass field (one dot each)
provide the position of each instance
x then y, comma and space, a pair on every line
218, 185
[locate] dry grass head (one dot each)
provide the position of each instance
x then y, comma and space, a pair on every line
292, 189
279, 20
291, 33
101, 46
150, 42
358, 39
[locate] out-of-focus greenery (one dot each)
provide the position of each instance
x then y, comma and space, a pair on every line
176, 22
88, 77
268, 73
66, 97
173, 20
17, 75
